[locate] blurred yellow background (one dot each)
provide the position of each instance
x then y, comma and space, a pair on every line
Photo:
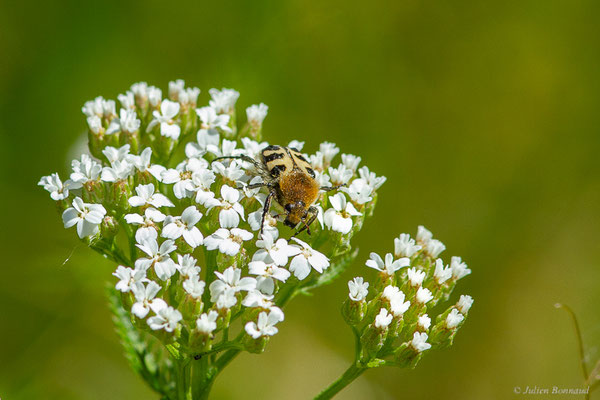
483, 116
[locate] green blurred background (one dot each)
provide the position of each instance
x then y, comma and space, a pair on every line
483, 116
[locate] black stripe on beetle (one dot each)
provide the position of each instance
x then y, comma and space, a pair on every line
273, 156
277, 170
300, 157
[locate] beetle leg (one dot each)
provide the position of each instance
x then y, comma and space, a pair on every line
265, 211
242, 157
330, 188
313, 212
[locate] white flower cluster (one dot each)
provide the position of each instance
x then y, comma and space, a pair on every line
174, 213
395, 322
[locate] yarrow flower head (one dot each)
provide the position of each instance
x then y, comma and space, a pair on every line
398, 309
190, 207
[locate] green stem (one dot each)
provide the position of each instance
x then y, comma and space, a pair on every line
210, 259
184, 387
579, 340
203, 376
348, 377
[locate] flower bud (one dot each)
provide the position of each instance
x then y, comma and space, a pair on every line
255, 345
109, 227
354, 311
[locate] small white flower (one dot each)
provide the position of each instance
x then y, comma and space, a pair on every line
359, 191
322, 178
175, 88
419, 342
56, 188
230, 280
464, 303
396, 299
140, 91
459, 268
296, 144
453, 319
99, 107
340, 175
159, 258
207, 323
253, 148
128, 278
204, 139
329, 150
270, 223
142, 163
166, 318
404, 246
308, 257
127, 100
210, 121
256, 113
186, 265
146, 196
201, 183
127, 122
85, 170
415, 276
147, 223
232, 172
265, 326
317, 161
118, 171
168, 126
189, 97
372, 180
424, 322
227, 241
227, 148
398, 305
441, 274
391, 292
145, 297
231, 210
175, 227
358, 289
194, 286
390, 266
95, 124
423, 295
257, 299
277, 252
434, 247
351, 161
383, 319
154, 96
223, 101
86, 216
113, 154
339, 218
423, 235
226, 299
265, 275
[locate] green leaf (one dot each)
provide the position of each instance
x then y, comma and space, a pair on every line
143, 353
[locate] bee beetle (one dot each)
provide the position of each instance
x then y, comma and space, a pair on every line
291, 181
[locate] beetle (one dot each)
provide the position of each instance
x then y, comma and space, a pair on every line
291, 182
